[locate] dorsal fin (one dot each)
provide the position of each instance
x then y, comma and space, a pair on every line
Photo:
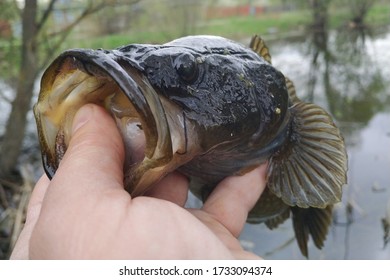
258, 45
291, 92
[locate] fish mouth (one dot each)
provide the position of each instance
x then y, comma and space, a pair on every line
154, 131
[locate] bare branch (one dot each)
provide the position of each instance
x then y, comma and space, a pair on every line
64, 32
46, 15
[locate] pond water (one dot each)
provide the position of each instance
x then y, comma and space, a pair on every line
348, 73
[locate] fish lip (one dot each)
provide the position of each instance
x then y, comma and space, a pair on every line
137, 89
105, 62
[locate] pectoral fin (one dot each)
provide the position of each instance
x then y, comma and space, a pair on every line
311, 167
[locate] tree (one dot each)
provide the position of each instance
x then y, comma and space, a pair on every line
359, 10
16, 124
38, 47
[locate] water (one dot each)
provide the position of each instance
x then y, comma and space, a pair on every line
350, 77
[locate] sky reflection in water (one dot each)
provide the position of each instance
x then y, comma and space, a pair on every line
350, 77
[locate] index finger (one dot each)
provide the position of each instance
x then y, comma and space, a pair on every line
234, 197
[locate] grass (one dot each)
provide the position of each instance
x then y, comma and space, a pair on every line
379, 15
271, 24
232, 27
264, 24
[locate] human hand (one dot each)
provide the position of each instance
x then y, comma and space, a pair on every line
85, 213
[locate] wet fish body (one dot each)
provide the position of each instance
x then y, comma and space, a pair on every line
210, 108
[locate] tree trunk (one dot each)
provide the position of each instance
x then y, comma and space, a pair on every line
16, 124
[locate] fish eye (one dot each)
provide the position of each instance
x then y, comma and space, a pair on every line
186, 67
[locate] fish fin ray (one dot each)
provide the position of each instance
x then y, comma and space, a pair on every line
301, 231
274, 222
309, 171
313, 222
258, 45
291, 91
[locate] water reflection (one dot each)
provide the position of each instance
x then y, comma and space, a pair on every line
352, 82
347, 73
386, 226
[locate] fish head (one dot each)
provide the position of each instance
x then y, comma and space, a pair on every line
80, 76
227, 91
171, 102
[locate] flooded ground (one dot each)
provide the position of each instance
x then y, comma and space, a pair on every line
349, 74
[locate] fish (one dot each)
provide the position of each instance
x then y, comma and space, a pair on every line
208, 107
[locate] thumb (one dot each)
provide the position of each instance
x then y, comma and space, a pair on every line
91, 168
94, 158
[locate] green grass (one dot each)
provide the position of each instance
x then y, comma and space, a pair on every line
379, 15
275, 24
264, 24
233, 27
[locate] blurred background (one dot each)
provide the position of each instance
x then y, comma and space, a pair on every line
337, 52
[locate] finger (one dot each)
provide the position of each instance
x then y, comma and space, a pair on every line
174, 188
90, 174
234, 197
93, 162
35, 203
21, 249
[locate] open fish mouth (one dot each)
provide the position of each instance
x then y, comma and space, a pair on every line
151, 134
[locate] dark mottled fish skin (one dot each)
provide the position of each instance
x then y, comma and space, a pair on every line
210, 108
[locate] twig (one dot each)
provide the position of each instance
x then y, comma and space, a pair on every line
280, 247
3, 198
9, 185
5, 214
64, 32
22, 206
46, 15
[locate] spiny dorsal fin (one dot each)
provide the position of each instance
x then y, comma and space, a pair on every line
258, 45
310, 169
291, 91
313, 221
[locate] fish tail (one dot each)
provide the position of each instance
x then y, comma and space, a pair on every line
311, 221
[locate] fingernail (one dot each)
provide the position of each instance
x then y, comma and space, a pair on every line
82, 117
